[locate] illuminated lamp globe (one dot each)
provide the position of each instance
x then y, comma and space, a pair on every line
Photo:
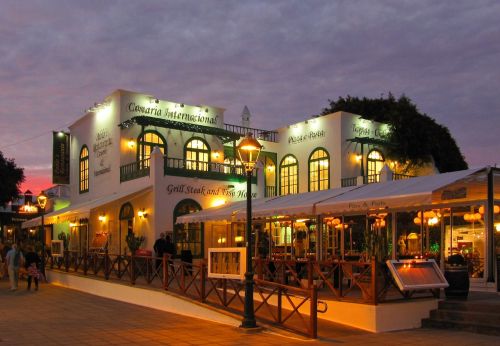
42, 200
248, 151
496, 209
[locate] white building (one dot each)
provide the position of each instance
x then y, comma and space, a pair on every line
121, 184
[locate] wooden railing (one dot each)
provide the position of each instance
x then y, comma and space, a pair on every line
292, 307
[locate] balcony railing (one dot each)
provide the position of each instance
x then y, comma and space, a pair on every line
401, 176
206, 170
134, 170
270, 191
369, 179
346, 182
265, 135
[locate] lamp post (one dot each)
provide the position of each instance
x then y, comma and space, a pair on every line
42, 202
248, 151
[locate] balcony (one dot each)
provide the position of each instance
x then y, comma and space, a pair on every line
270, 191
204, 170
370, 179
134, 170
265, 135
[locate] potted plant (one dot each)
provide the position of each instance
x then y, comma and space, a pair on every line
134, 242
457, 274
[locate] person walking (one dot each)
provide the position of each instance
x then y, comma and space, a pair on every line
14, 260
160, 248
31, 264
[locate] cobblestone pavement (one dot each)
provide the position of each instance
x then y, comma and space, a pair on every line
60, 316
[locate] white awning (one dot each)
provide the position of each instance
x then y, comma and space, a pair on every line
302, 204
407, 193
82, 210
290, 205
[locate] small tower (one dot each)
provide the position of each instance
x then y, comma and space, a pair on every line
245, 117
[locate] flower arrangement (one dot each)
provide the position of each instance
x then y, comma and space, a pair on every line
134, 242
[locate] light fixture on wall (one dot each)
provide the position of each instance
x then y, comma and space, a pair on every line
142, 213
131, 143
102, 217
216, 154
358, 157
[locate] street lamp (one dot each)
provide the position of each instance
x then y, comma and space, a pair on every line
248, 151
42, 202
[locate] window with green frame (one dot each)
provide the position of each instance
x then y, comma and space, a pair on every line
146, 143
84, 170
289, 177
319, 172
375, 162
188, 236
197, 154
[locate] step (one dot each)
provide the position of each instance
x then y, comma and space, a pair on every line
480, 317
462, 326
460, 305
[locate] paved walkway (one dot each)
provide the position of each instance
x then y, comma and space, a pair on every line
59, 316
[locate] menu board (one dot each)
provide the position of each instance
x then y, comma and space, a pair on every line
417, 274
227, 263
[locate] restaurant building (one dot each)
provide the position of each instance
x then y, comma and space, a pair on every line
135, 164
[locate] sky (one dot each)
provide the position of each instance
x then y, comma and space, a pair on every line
283, 59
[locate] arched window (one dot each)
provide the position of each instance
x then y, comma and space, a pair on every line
375, 162
319, 172
289, 177
84, 170
146, 143
197, 154
188, 236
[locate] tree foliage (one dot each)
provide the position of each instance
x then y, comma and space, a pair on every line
416, 138
11, 178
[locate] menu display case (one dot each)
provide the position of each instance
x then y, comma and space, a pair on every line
227, 263
417, 274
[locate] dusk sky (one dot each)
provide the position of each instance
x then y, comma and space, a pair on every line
283, 59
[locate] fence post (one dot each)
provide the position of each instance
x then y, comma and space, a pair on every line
374, 280
309, 273
106, 264
314, 312
203, 269
85, 262
132, 269
165, 271
66, 260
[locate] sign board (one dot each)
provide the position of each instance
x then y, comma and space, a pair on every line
57, 248
227, 263
417, 274
60, 158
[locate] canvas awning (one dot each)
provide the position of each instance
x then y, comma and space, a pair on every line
82, 210
407, 193
289, 205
